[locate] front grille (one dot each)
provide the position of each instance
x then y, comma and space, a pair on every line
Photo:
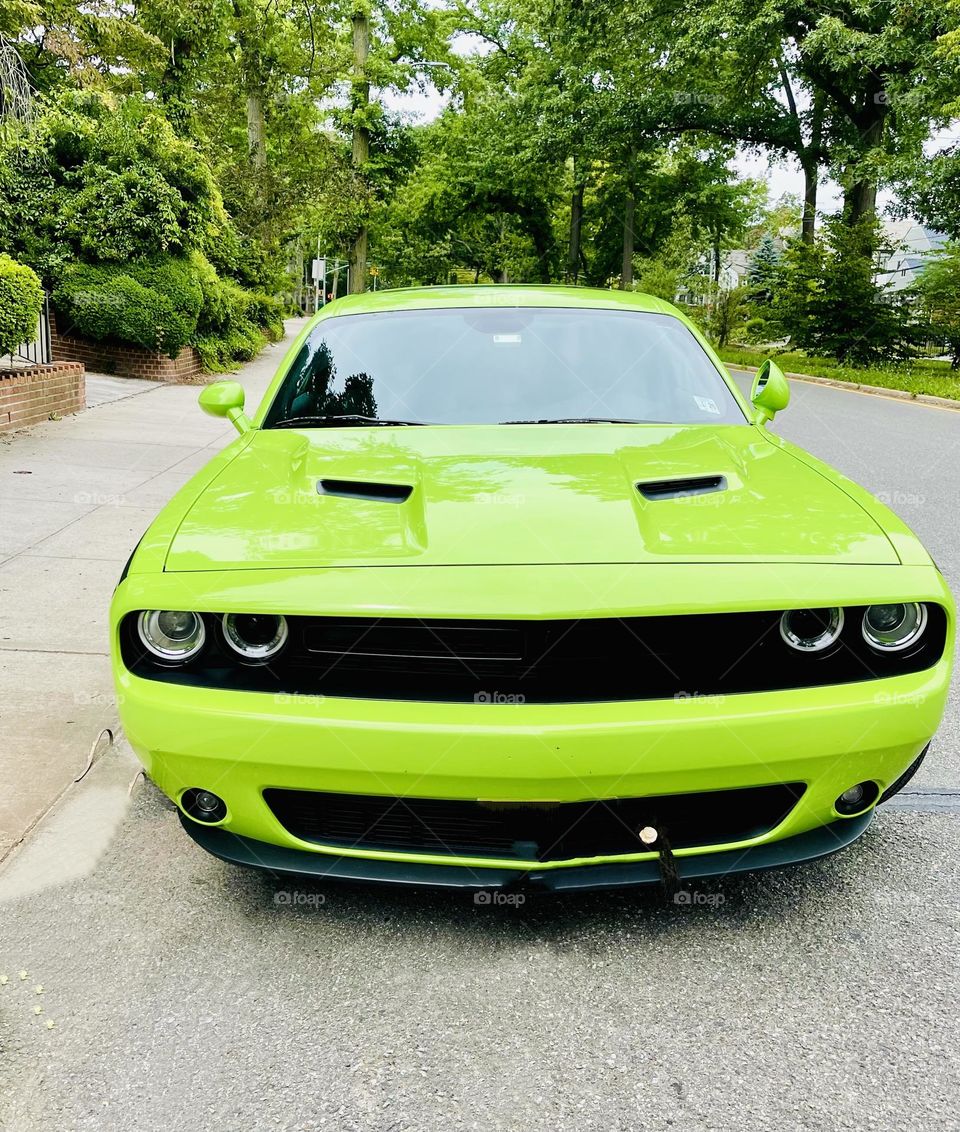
530, 831
570, 661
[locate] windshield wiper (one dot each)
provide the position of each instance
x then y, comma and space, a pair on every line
336, 421
582, 420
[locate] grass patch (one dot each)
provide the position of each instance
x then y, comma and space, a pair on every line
920, 376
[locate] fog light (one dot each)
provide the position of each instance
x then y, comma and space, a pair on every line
203, 806
856, 799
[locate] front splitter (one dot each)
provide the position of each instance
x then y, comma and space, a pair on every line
246, 851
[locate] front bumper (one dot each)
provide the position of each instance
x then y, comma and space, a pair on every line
239, 744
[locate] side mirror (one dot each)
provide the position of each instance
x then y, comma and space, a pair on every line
770, 392
225, 399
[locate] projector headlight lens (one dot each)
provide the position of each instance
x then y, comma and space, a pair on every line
811, 630
255, 636
171, 635
891, 628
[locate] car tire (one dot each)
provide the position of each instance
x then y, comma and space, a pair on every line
904, 778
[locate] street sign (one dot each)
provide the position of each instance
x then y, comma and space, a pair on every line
318, 270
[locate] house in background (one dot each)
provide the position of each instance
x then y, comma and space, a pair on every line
913, 244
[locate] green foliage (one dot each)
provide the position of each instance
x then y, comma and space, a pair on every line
727, 314
107, 304
21, 298
938, 292
918, 376
167, 303
115, 216
654, 277
764, 270
190, 147
828, 302
91, 182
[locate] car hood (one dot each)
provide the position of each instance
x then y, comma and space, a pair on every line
518, 495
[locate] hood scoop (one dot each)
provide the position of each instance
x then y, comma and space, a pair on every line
681, 488
364, 489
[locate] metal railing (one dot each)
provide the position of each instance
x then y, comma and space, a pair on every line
37, 352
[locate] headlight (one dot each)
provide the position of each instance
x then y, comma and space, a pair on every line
891, 628
171, 635
255, 636
811, 630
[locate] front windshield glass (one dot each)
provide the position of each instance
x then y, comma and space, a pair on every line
489, 365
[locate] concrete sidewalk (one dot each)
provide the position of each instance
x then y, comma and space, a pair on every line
75, 497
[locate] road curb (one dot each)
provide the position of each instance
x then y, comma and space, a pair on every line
857, 387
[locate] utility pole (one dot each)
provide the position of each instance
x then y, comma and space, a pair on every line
360, 102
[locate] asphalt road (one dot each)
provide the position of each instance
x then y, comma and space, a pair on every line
188, 994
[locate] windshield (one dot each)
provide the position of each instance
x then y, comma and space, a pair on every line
490, 365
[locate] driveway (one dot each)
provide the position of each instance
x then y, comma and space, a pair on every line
185, 993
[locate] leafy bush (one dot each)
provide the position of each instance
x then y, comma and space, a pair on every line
266, 311
106, 304
92, 181
163, 304
175, 278
116, 216
21, 298
219, 353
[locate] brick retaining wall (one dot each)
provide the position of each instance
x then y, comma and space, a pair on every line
30, 395
127, 361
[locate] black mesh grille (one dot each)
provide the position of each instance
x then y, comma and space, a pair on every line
530, 830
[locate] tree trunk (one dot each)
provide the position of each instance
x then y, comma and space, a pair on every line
626, 267
256, 132
810, 163
360, 100
576, 224
811, 175
861, 199
542, 236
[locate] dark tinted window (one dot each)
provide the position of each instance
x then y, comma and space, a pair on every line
481, 365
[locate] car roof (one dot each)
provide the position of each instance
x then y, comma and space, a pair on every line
498, 295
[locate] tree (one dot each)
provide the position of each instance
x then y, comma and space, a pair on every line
828, 301
938, 292
764, 269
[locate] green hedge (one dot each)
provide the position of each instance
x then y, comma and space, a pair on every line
165, 303
21, 298
100, 302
